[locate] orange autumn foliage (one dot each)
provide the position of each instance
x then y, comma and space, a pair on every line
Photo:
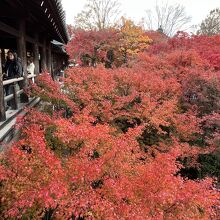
117, 143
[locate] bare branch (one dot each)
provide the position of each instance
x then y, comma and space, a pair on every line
98, 15
171, 18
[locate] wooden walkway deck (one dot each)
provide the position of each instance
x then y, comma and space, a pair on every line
8, 132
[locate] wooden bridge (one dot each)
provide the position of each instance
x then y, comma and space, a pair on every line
35, 28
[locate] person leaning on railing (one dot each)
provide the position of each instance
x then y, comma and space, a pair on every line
12, 69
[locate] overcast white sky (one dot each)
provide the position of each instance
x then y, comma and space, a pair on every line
135, 9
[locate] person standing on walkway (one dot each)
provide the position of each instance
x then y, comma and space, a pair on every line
12, 69
31, 67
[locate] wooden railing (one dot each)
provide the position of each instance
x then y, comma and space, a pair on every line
14, 96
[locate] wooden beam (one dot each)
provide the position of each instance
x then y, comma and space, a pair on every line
8, 29
16, 4
2, 102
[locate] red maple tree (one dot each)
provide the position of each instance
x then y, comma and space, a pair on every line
117, 143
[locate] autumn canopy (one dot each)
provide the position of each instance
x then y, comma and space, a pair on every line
126, 136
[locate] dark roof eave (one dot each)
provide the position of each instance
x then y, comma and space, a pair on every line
57, 19
61, 18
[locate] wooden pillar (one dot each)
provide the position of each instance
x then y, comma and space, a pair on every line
52, 62
36, 55
22, 53
3, 55
2, 103
49, 58
21, 45
44, 56
15, 99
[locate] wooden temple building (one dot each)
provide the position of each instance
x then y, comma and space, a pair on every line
35, 28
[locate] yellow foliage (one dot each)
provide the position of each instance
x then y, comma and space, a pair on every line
132, 39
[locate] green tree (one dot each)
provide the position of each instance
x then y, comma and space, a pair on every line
211, 25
